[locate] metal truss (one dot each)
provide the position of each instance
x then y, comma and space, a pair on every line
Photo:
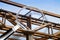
29, 33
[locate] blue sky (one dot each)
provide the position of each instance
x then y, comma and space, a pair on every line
48, 5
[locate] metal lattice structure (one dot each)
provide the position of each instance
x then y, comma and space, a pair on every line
27, 31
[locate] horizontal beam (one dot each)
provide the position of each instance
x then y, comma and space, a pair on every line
57, 33
30, 8
39, 34
42, 26
12, 39
12, 13
36, 33
33, 20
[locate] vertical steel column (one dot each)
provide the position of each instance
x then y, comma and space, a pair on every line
29, 36
52, 30
29, 21
48, 30
5, 18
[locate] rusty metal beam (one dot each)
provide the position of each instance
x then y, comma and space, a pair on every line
36, 33
39, 34
12, 13
37, 22
57, 33
30, 8
42, 26
29, 21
